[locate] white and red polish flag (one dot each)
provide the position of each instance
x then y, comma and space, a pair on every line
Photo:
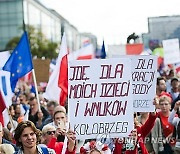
86, 52
53, 91
2, 108
27, 78
57, 87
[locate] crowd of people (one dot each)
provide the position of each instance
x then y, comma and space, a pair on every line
44, 130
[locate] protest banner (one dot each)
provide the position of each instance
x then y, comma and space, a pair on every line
42, 69
144, 76
100, 97
171, 51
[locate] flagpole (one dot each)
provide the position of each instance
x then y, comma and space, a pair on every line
36, 90
10, 118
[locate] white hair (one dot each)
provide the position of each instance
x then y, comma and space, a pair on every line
46, 128
7, 148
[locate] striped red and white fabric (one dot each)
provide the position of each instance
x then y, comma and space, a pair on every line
53, 91
125, 49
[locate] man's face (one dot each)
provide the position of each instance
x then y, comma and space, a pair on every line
60, 116
162, 85
33, 104
18, 109
51, 110
28, 138
175, 85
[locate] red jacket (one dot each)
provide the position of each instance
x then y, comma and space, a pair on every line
142, 132
58, 146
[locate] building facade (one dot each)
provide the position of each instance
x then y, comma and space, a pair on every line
162, 28
13, 13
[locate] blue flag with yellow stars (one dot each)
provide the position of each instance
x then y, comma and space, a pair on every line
20, 61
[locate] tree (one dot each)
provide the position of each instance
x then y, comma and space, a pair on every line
40, 46
12, 43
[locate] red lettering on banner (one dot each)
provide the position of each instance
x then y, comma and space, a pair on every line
83, 90
79, 73
107, 72
77, 107
115, 89
105, 108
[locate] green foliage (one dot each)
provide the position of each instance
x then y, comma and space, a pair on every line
12, 43
40, 46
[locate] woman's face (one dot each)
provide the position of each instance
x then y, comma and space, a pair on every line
12, 111
28, 138
164, 106
49, 134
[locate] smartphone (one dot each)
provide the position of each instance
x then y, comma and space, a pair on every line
61, 125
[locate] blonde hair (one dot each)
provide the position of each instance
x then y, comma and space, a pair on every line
164, 98
7, 148
46, 128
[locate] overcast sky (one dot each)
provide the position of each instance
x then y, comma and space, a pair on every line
113, 20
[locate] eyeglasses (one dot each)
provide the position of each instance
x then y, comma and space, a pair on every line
51, 132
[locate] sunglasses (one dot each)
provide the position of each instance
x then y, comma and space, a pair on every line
51, 132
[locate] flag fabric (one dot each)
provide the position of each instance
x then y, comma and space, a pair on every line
20, 61
28, 78
125, 49
63, 73
86, 52
5, 84
53, 89
63, 80
177, 67
57, 87
160, 53
134, 49
103, 51
2, 107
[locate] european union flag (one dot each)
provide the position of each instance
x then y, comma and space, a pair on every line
103, 51
20, 61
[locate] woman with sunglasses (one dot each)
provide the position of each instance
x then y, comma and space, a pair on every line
48, 132
49, 138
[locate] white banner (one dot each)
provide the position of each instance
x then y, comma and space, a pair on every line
100, 97
171, 51
144, 76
